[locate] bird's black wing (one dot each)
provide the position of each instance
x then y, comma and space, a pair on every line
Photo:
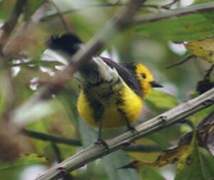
70, 43
125, 74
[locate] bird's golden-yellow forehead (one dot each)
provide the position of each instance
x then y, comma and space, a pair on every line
144, 72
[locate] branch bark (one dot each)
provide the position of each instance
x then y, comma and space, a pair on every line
10, 24
75, 142
205, 7
161, 121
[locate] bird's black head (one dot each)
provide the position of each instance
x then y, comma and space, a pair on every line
68, 43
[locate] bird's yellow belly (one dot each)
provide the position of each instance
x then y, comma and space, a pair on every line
114, 114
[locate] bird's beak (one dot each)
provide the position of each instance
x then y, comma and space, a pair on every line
155, 84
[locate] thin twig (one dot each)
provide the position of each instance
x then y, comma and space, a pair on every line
197, 8
182, 61
51, 138
209, 71
74, 142
34, 63
5, 32
57, 152
108, 5
58, 156
142, 148
159, 122
170, 4
103, 5
10, 24
61, 16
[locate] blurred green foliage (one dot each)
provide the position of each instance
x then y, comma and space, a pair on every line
11, 170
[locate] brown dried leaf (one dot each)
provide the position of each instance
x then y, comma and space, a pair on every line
205, 133
11, 143
203, 49
29, 40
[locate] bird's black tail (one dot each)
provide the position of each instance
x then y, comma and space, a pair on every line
67, 43
94, 70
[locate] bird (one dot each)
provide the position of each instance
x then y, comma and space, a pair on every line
111, 94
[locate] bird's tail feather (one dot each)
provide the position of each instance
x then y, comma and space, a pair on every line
93, 71
67, 43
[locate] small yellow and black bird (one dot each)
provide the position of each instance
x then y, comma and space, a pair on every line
111, 94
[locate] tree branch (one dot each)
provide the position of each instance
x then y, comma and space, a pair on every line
10, 24
204, 7
161, 121
181, 61
51, 138
106, 5
75, 142
61, 16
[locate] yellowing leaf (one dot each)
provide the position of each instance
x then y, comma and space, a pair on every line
147, 172
171, 156
197, 165
203, 49
145, 157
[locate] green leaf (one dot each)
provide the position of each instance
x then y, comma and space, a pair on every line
110, 163
22, 162
113, 161
2, 100
163, 137
149, 173
12, 170
197, 117
160, 101
198, 165
184, 28
202, 1
5, 8
32, 7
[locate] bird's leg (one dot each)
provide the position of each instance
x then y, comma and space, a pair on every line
129, 126
100, 126
99, 137
62, 171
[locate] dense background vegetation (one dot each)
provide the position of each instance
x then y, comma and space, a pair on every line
38, 132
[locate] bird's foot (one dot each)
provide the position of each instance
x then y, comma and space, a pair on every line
62, 171
100, 141
131, 128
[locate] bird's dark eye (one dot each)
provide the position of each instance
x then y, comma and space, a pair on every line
143, 75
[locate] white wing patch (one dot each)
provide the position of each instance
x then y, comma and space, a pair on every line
106, 72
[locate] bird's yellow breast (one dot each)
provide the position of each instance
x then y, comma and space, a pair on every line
118, 106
